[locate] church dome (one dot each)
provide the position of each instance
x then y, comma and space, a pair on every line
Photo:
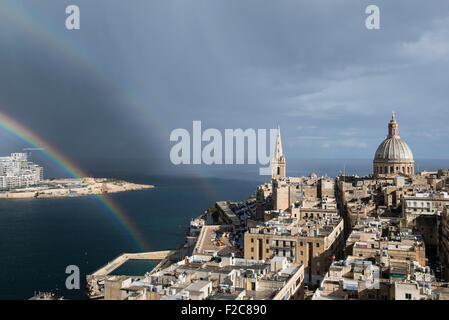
393, 156
393, 149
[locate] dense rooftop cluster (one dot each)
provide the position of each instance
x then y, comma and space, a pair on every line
382, 236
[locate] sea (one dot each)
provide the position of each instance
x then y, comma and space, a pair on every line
40, 238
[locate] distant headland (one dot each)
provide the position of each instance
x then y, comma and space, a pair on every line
63, 188
22, 179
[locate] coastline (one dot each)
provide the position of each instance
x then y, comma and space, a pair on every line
65, 188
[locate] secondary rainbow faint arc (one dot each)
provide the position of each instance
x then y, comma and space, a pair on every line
63, 162
30, 22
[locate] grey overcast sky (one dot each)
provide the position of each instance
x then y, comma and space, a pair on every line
137, 69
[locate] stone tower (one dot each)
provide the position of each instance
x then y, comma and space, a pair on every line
278, 161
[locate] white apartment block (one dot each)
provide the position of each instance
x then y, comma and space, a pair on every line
17, 172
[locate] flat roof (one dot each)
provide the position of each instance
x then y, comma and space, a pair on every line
197, 285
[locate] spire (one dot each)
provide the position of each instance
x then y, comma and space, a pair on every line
278, 162
393, 116
278, 152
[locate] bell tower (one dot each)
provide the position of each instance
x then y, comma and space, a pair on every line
278, 161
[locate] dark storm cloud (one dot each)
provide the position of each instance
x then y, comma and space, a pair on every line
311, 66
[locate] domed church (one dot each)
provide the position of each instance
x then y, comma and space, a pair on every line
393, 156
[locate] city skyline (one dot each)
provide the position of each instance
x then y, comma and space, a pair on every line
121, 91
52, 157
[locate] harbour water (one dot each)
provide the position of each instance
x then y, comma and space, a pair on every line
39, 238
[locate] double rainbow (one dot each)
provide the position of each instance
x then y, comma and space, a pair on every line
10, 125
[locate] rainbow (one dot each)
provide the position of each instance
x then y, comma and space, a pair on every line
13, 127
58, 40
37, 26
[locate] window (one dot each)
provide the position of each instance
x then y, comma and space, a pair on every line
301, 253
267, 241
268, 251
408, 296
301, 244
317, 245
252, 240
252, 249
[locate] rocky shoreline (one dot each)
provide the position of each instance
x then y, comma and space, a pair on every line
63, 188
